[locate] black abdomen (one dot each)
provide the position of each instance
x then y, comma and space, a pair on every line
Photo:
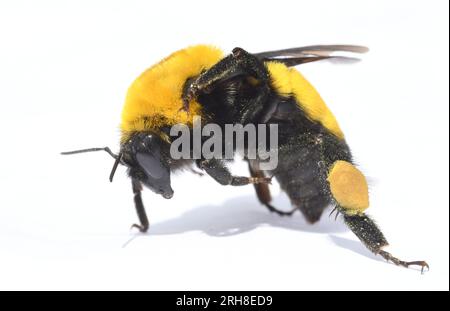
303, 165
306, 153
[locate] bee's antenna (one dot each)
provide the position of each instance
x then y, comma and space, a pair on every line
115, 156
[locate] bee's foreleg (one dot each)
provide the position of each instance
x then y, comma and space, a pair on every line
371, 236
137, 189
217, 170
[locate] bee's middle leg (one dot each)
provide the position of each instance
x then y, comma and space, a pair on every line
217, 170
263, 193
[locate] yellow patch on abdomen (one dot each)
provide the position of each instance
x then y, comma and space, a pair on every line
154, 99
288, 81
348, 187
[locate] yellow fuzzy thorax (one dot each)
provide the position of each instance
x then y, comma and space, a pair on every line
289, 82
348, 187
154, 99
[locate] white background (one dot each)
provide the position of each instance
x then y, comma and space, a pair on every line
64, 71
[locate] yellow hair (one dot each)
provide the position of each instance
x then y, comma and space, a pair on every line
289, 82
154, 98
349, 187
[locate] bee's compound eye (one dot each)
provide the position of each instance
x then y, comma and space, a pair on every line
151, 165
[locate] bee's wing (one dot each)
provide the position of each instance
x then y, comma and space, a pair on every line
306, 54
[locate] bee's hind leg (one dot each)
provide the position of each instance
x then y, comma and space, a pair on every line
263, 193
369, 234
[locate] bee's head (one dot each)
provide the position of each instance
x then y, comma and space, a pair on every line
146, 156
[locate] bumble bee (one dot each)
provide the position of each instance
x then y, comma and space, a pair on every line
315, 166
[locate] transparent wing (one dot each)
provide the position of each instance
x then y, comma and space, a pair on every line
307, 54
